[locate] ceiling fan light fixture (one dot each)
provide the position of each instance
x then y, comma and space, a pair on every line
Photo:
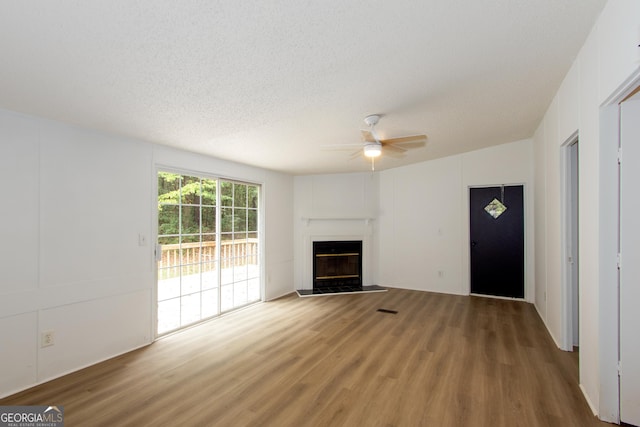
372, 150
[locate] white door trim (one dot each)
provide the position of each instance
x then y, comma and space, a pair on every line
568, 249
609, 228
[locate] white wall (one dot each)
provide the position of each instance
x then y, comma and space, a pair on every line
277, 197
334, 207
74, 203
603, 69
421, 226
424, 217
511, 164
420, 217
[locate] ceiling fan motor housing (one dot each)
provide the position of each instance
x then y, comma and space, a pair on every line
372, 120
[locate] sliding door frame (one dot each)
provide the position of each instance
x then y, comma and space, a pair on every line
154, 238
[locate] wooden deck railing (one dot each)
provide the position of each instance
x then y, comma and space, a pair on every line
232, 253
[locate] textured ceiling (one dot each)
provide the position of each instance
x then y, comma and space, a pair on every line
269, 83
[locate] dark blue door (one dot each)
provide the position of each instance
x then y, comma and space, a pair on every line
497, 241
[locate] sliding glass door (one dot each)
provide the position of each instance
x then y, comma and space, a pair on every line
207, 252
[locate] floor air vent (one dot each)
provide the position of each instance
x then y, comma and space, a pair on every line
384, 310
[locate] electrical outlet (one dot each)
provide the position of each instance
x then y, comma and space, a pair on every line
440, 273
47, 339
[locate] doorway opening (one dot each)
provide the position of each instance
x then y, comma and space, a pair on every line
207, 249
570, 244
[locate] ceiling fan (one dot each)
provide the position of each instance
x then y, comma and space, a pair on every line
373, 146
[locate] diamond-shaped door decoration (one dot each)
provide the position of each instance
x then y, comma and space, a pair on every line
495, 208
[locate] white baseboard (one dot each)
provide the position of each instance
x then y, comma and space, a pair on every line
586, 397
544, 322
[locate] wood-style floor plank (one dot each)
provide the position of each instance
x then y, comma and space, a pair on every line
442, 360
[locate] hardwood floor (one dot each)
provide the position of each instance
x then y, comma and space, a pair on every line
442, 360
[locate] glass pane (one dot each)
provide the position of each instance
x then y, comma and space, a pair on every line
252, 196
190, 280
208, 251
170, 256
239, 249
168, 315
209, 275
226, 272
252, 220
226, 301
168, 219
240, 270
240, 237
239, 293
495, 208
226, 193
169, 240
208, 219
190, 253
239, 220
168, 187
240, 195
253, 290
190, 309
226, 247
168, 283
211, 238
190, 190
209, 303
190, 238
253, 269
208, 192
226, 220
227, 239
252, 252
190, 220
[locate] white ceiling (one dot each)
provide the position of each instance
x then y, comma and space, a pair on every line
269, 83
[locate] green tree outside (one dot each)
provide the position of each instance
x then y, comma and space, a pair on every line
187, 208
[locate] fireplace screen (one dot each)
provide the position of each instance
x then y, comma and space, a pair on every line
337, 263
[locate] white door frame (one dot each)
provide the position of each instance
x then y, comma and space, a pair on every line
609, 246
569, 248
629, 269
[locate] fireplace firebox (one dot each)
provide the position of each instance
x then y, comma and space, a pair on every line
337, 265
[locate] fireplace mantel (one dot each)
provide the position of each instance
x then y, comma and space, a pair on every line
308, 220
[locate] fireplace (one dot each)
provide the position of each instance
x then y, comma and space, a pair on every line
337, 265
337, 268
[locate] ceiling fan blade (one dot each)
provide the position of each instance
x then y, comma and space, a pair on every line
356, 154
396, 154
405, 139
410, 145
388, 148
368, 136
